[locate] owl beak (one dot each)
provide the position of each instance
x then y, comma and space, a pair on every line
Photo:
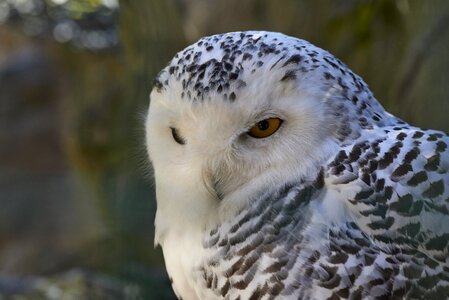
216, 188
212, 184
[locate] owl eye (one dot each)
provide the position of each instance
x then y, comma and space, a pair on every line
179, 139
265, 128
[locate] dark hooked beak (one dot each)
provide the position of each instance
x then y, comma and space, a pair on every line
212, 184
217, 190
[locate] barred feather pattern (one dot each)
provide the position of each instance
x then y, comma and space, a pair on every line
395, 246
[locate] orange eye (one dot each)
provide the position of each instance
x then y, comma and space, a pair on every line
265, 128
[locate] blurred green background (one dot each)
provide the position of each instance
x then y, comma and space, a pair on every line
76, 194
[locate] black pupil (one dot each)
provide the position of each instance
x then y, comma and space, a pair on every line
180, 140
263, 125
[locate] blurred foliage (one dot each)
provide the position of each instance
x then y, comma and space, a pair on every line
92, 90
89, 24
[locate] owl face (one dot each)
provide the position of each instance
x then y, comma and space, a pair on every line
216, 142
228, 144
236, 114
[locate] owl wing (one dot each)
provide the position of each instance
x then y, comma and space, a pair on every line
400, 189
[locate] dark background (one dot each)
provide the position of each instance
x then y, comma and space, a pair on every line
76, 195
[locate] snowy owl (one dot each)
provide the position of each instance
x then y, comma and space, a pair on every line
279, 176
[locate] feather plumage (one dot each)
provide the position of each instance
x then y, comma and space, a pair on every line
343, 201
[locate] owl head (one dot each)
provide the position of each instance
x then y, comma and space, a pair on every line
235, 115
